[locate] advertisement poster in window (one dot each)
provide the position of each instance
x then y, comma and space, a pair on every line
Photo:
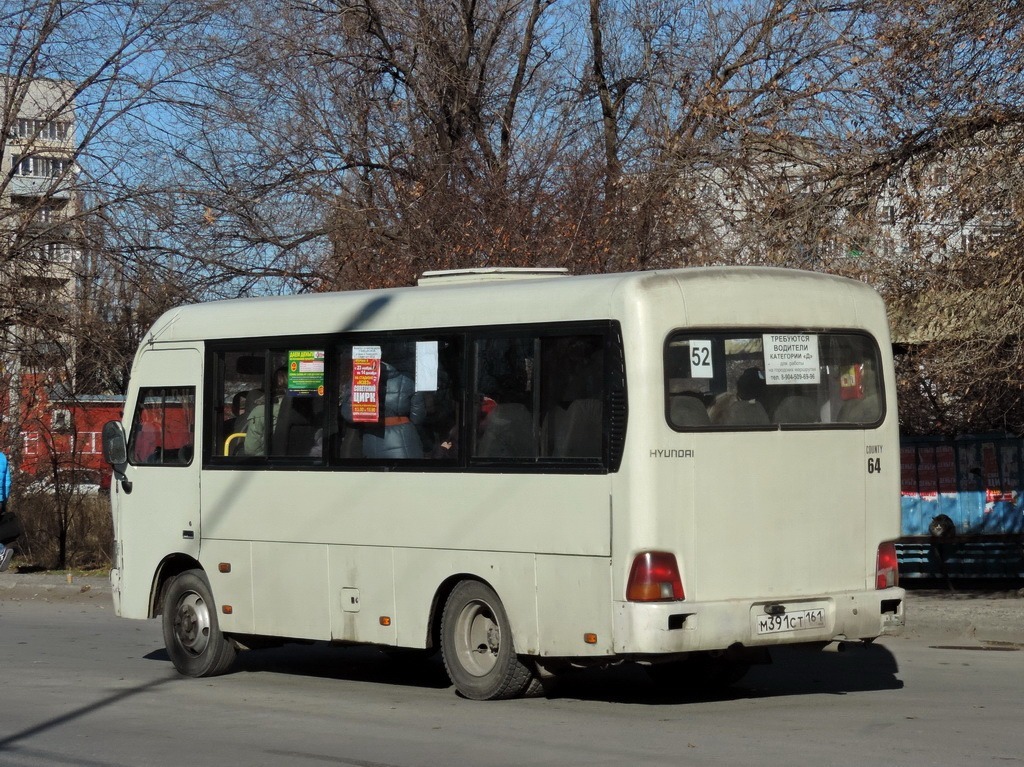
306, 372
791, 359
365, 384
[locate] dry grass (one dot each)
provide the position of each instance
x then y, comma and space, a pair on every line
83, 521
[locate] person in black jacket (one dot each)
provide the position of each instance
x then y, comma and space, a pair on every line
394, 435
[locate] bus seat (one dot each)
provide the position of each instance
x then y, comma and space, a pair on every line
507, 433
253, 397
868, 408
687, 410
555, 423
796, 409
580, 435
295, 429
740, 412
865, 410
686, 386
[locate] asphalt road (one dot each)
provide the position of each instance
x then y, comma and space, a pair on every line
81, 687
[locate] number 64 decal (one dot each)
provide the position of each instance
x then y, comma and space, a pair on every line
874, 465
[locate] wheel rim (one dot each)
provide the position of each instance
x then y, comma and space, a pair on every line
477, 638
192, 623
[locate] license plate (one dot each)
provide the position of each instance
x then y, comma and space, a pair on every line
795, 620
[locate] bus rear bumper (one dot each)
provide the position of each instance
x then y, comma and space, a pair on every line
679, 627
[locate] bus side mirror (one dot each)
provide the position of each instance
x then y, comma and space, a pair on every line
115, 450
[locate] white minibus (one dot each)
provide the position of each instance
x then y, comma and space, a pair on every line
524, 470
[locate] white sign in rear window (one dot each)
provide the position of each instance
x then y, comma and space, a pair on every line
791, 358
701, 365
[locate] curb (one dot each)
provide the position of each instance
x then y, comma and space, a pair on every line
27, 586
983, 617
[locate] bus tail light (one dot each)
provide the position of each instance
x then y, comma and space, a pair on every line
887, 570
654, 577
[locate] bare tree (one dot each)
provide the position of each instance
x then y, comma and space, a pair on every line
951, 122
363, 142
84, 87
82, 84
349, 143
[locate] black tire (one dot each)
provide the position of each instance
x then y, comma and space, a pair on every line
700, 673
191, 632
477, 647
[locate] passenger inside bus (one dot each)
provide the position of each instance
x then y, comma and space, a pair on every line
402, 409
235, 415
746, 408
256, 419
506, 430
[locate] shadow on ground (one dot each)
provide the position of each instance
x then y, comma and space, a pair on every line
794, 671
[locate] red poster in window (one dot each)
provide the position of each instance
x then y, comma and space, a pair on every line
851, 382
365, 389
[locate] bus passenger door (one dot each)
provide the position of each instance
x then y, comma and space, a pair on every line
156, 511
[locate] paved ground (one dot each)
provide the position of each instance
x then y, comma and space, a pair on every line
966, 615
987, 616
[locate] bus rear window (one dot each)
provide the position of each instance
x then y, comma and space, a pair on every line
776, 379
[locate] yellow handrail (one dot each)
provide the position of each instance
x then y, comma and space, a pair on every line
231, 438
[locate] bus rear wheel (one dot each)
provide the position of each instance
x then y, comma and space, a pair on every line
477, 647
192, 635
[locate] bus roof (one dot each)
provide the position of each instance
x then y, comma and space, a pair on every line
709, 296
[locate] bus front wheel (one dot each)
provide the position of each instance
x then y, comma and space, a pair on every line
192, 635
477, 647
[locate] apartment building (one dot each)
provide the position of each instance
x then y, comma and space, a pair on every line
38, 206
40, 247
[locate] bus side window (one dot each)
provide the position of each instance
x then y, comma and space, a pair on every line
239, 383
504, 387
398, 399
163, 427
442, 391
541, 397
297, 410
